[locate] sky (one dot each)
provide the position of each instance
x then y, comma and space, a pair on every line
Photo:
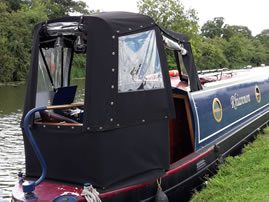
253, 14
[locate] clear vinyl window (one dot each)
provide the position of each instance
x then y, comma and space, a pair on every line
54, 57
57, 61
139, 63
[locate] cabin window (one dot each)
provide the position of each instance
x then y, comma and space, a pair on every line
53, 59
58, 84
139, 63
61, 61
78, 75
175, 61
53, 72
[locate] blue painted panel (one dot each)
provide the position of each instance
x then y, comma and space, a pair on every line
207, 128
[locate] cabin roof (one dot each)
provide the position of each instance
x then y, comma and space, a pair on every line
125, 22
175, 35
119, 22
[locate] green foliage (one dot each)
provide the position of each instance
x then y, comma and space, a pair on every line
60, 8
14, 5
236, 51
213, 28
263, 37
79, 66
260, 54
16, 24
218, 45
212, 54
243, 50
15, 31
172, 15
240, 49
241, 178
5, 57
231, 30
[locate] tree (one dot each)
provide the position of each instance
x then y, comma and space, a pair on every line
171, 15
263, 37
15, 41
212, 54
240, 48
213, 28
60, 8
238, 51
20, 32
6, 62
231, 30
16, 23
14, 5
260, 53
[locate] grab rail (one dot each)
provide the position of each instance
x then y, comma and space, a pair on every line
29, 186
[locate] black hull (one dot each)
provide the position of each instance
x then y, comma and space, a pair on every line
184, 176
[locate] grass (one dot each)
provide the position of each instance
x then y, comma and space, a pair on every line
241, 178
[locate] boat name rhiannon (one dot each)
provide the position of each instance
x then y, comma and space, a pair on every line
238, 101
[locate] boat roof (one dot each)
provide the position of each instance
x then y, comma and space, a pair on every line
119, 22
222, 78
123, 23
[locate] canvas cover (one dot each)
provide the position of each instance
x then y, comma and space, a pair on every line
188, 58
124, 137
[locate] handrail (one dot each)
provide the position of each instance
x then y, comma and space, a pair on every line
29, 186
212, 70
64, 106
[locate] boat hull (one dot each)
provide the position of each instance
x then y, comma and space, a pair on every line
177, 183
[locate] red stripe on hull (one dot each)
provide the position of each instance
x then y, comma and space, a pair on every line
47, 191
168, 173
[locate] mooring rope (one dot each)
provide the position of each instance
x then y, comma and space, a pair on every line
90, 194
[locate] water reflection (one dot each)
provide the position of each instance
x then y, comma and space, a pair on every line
11, 142
12, 98
11, 152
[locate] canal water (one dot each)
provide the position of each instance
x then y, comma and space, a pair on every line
11, 144
11, 141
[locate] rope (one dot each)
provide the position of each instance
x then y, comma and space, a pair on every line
90, 194
159, 183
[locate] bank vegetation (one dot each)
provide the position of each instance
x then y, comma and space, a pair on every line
243, 177
216, 44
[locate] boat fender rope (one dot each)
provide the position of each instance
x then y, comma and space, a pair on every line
90, 193
159, 183
160, 196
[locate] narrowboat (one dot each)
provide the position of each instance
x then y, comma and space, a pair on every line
140, 132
